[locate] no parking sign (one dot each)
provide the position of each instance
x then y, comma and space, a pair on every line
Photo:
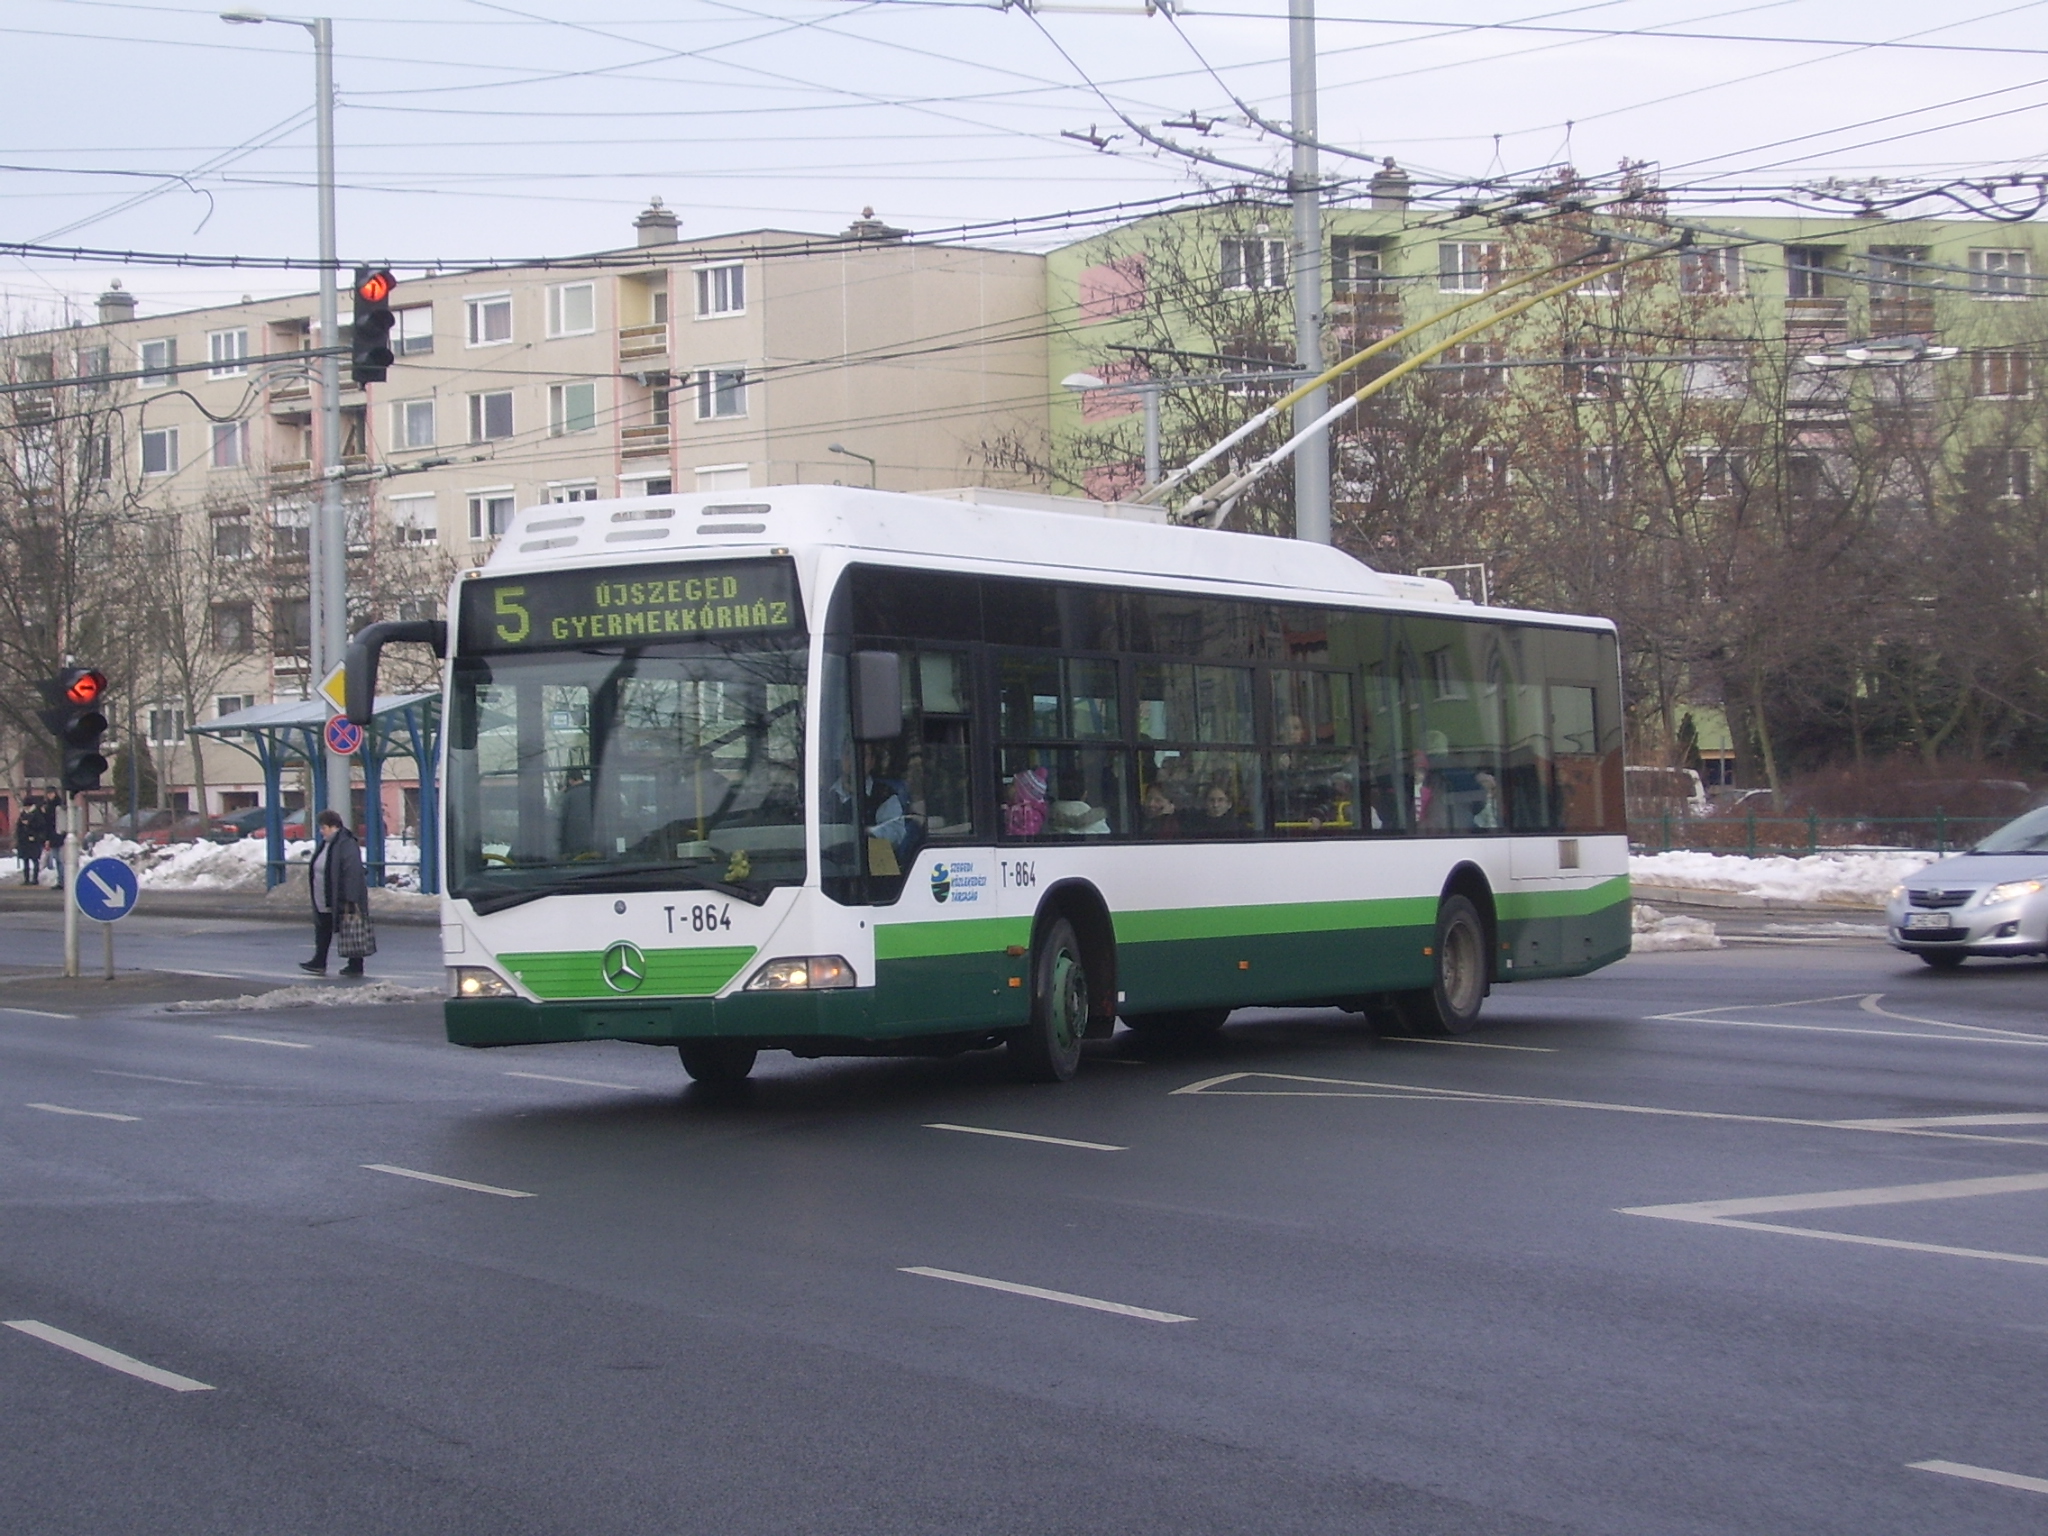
344, 736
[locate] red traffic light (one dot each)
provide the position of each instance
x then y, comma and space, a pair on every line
87, 687
376, 288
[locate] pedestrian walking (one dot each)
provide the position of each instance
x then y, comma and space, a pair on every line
30, 838
54, 835
341, 900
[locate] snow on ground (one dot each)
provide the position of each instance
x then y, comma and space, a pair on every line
312, 995
1654, 932
237, 866
1841, 878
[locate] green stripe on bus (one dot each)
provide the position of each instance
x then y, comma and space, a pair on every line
1579, 903
964, 936
1277, 918
557, 975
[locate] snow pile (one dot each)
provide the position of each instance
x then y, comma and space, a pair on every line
311, 995
1655, 933
236, 866
1835, 879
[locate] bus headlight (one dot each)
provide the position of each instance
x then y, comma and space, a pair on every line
802, 973
2012, 890
475, 981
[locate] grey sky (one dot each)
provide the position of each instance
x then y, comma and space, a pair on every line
472, 129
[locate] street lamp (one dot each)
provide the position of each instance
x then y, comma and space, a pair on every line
1146, 389
842, 448
1891, 352
327, 559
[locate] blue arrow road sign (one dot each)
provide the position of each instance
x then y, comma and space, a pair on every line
105, 890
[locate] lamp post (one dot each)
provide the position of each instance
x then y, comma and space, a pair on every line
842, 448
327, 556
1146, 390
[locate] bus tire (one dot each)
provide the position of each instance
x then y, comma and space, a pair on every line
1048, 1049
1179, 1026
717, 1063
1450, 1005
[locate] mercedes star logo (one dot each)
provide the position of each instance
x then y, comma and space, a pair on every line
624, 967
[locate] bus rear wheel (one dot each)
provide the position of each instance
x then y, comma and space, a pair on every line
717, 1063
1048, 1049
1450, 1006
1179, 1026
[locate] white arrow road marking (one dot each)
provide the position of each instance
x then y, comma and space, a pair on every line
442, 1178
89, 1114
113, 1359
116, 897
1982, 1475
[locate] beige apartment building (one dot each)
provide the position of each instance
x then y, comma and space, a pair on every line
723, 363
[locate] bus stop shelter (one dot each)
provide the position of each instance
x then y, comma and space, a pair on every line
405, 725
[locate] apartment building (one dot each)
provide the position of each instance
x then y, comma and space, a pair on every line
727, 362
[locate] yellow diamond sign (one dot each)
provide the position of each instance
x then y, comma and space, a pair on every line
334, 689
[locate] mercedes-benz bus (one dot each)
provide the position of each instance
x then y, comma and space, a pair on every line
838, 771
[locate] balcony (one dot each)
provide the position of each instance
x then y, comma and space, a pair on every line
637, 442
1902, 316
638, 343
1360, 316
1824, 314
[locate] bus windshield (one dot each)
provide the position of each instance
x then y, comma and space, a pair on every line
627, 767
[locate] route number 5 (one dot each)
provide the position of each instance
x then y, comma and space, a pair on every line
504, 601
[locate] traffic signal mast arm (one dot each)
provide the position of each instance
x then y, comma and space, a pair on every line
1223, 495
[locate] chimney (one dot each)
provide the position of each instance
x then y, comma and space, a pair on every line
1390, 189
868, 228
116, 305
656, 225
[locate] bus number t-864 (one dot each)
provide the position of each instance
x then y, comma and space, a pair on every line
705, 917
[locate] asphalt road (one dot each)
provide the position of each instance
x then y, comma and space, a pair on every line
1544, 1280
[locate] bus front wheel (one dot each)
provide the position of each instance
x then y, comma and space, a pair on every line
716, 1063
1451, 1005
1048, 1049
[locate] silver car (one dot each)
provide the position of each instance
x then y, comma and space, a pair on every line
1992, 900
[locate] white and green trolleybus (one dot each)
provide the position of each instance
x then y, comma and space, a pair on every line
836, 771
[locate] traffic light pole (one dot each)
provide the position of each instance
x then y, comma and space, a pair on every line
67, 866
327, 575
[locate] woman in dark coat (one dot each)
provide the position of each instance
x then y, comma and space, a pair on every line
336, 881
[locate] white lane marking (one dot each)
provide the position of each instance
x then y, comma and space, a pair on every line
1939, 1121
90, 1114
580, 1082
2011, 1038
1982, 1475
290, 1045
1870, 1005
1065, 1298
441, 1178
208, 975
1329, 1088
1476, 1045
1050, 1141
39, 1013
149, 1077
113, 1359
1728, 1213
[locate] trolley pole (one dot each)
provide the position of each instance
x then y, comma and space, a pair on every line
1312, 459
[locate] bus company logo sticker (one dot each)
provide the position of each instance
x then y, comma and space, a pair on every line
957, 882
624, 967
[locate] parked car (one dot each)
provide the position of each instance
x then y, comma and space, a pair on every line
176, 827
236, 825
1992, 900
132, 827
1663, 792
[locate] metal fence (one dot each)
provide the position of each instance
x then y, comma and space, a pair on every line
1812, 833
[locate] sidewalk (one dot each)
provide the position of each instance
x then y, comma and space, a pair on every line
286, 904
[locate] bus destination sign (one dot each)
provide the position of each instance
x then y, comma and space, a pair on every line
546, 609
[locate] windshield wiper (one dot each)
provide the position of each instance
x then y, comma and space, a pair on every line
642, 877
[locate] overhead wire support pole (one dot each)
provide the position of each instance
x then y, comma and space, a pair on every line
1312, 463
329, 573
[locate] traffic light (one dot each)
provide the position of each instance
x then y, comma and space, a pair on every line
78, 715
370, 349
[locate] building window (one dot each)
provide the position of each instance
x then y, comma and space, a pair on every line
1999, 275
2006, 474
231, 540
571, 408
1895, 269
651, 485
1806, 272
490, 320
490, 513
412, 423
228, 354
721, 392
490, 416
1252, 265
572, 309
159, 362
230, 444
658, 402
1354, 267
1712, 271
1590, 374
166, 725
96, 455
724, 477
225, 704
1715, 474
413, 332
234, 627
160, 451
2001, 373
572, 490
721, 290
1467, 266
93, 365
414, 519
291, 625
291, 535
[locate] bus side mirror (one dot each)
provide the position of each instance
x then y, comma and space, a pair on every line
364, 650
877, 695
